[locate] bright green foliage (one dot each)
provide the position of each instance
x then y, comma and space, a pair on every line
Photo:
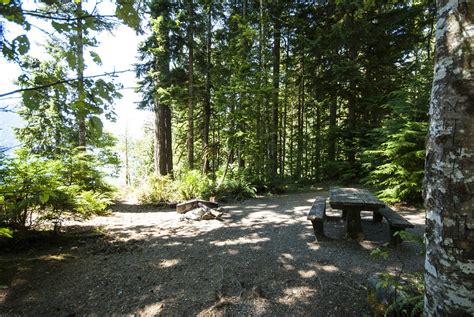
193, 184
6, 232
52, 113
401, 172
35, 189
156, 189
11, 11
409, 287
87, 170
236, 186
396, 161
350, 89
27, 184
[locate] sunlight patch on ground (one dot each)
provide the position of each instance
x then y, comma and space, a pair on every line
313, 245
151, 310
329, 268
288, 267
172, 244
307, 274
304, 236
169, 263
300, 210
56, 257
241, 240
287, 256
294, 295
368, 245
284, 259
233, 251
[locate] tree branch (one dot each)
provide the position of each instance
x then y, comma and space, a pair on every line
48, 15
62, 82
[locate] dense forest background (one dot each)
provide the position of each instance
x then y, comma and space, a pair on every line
248, 96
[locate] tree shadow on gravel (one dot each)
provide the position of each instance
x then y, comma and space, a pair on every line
260, 261
121, 207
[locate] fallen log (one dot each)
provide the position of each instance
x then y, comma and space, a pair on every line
192, 204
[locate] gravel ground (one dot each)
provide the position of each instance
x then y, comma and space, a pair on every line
261, 259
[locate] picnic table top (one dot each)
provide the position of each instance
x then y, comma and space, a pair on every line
360, 198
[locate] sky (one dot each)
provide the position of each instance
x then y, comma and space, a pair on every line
118, 51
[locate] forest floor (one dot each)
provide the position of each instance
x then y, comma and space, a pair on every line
261, 259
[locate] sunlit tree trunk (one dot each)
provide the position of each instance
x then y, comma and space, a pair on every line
262, 98
207, 101
449, 170
285, 108
81, 107
163, 139
276, 82
190, 140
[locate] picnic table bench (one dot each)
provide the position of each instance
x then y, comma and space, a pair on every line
352, 201
316, 216
395, 221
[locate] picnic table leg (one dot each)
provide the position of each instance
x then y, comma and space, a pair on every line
318, 227
353, 224
377, 216
344, 214
395, 239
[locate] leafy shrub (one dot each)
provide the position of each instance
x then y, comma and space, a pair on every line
156, 189
5, 232
396, 167
85, 170
395, 159
399, 172
409, 287
236, 186
35, 189
194, 184
341, 171
27, 183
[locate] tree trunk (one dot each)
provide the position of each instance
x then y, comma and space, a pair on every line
285, 106
332, 131
449, 169
163, 144
276, 81
207, 101
127, 154
156, 130
299, 136
262, 98
163, 138
352, 99
81, 111
317, 146
190, 140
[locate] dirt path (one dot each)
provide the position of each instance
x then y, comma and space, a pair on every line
260, 260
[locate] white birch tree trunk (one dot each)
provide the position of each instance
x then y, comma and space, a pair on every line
449, 170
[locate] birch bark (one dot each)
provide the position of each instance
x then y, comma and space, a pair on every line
449, 169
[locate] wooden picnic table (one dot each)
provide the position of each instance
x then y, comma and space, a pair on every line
352, 201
